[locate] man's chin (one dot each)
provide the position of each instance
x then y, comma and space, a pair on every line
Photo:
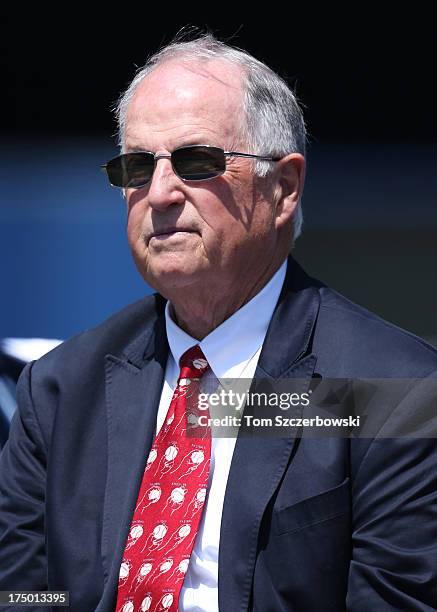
169, 273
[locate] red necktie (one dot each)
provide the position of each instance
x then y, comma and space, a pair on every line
170, 501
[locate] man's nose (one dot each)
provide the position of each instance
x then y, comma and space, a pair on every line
165, 186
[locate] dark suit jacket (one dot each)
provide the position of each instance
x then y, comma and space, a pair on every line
308, 524
10, 370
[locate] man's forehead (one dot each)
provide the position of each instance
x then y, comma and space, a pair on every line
180, 81
200, 96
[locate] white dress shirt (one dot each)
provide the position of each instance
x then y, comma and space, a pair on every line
232, 351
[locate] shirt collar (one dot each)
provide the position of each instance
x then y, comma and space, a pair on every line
232, 344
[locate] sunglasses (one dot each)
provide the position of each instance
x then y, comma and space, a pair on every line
191, 163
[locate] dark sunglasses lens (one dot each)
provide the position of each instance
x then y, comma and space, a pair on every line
199, 163
130, 169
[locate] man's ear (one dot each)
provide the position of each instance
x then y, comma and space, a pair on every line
290, 177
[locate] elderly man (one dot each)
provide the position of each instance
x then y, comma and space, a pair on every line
104, 492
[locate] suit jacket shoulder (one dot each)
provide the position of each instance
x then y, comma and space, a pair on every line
352, 341
73, 374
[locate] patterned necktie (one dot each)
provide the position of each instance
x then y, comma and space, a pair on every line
170, 500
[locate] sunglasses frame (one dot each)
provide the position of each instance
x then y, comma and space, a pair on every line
157, 157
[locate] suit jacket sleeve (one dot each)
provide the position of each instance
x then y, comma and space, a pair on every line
394, 558
23, 562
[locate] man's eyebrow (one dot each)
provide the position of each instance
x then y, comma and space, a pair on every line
190, 142
134, 149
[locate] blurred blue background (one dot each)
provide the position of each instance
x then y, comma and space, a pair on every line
370, 231
65, 262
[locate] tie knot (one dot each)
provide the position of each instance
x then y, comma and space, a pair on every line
193, 363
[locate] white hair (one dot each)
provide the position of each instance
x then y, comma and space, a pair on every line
273, 123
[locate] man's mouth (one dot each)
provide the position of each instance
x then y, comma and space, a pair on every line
170, 231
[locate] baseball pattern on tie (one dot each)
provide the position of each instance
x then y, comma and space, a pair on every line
170, 501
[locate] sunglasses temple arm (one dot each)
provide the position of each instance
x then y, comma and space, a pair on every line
237, 154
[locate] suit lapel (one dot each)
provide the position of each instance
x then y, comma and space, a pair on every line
133, 389
260, 462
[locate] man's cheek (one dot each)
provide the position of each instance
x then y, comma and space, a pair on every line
135, 230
